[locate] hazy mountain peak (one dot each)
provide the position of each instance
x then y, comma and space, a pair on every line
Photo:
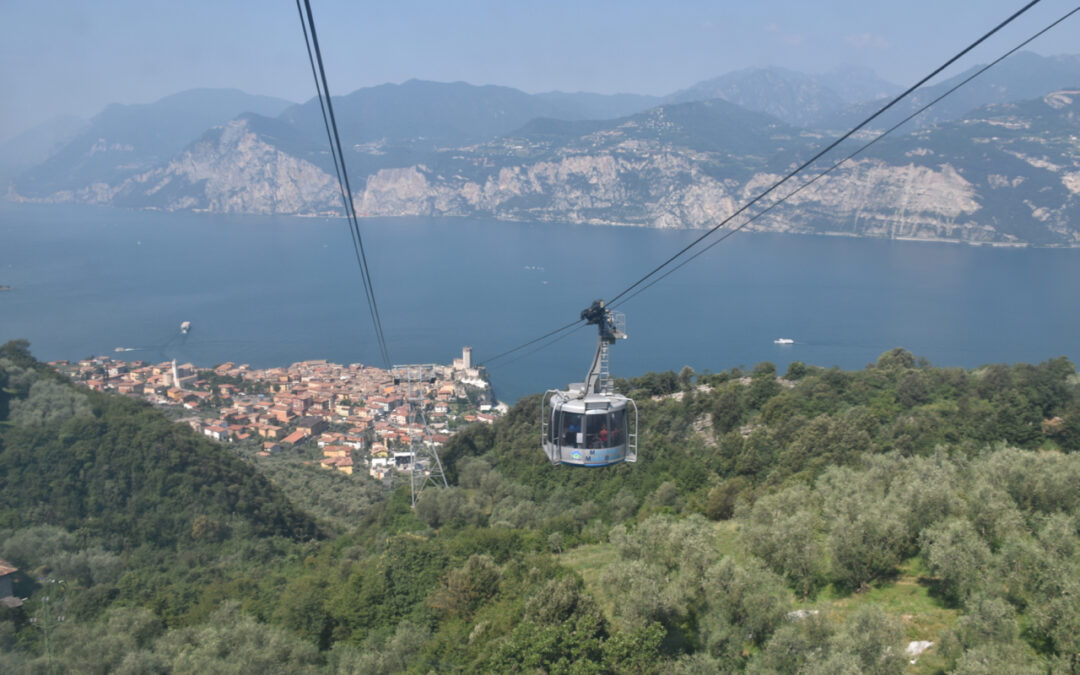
125, 139
794, 97
1022, 76
856, 84
36, 144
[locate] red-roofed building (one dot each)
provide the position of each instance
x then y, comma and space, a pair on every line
355, 442
7, 571
311, 425
400, 415
343, 464
268, 430
217, 433
130, 388
295, 438
335, 451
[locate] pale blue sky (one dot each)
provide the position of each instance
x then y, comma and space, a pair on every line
76, 56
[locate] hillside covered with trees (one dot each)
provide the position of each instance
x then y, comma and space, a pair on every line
814, 521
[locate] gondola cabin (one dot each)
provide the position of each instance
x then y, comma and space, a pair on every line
590, 430
588, 424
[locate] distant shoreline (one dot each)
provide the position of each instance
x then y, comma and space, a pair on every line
568, 220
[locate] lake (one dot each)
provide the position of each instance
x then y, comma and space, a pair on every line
272, 290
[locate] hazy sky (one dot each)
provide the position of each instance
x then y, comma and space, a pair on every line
76, 56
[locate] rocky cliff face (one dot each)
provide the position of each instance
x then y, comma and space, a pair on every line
871, 198
234, 171
1008, 174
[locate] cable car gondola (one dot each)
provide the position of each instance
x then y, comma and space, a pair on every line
589, 424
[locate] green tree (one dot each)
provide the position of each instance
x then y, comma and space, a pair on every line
986, 620
763, 386
722, 499
796, 370
757, 455
991, 659
232, 641
896, 359
635, 651
384, 653
873, 639
783, 530
303, 609
745, 605
1055, 619
451, 506
793, 646
867, 545
49, 402
912, 389
728, 411
464, 589
624, 505
561, 631
686, 378
954, 552
646, 594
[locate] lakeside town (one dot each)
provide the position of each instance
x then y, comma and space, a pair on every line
358, 416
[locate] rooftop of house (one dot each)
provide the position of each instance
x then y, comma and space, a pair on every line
294, 437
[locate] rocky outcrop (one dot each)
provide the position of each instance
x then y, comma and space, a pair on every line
234, 171
1008, 175
871, 198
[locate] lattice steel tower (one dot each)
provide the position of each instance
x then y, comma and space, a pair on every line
425, 467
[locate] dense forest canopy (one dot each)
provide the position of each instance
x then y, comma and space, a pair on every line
813, 521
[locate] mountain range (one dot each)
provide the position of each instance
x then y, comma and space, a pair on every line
996, 163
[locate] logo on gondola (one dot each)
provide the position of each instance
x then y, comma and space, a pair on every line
575, 454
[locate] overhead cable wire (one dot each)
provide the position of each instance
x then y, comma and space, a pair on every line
615, 300
542, 347
826, 149
857, 152
530, 342
329, 120
346, 188
353, 233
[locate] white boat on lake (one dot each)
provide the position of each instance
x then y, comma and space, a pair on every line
783, 341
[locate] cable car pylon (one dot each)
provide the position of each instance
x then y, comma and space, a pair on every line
588, 424
425, 467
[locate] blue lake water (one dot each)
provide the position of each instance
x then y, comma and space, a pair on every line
271, 291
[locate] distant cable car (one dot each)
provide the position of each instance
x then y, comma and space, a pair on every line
589, 424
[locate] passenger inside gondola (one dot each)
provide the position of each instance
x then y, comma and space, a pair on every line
572, 430
618, 425
592, 426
